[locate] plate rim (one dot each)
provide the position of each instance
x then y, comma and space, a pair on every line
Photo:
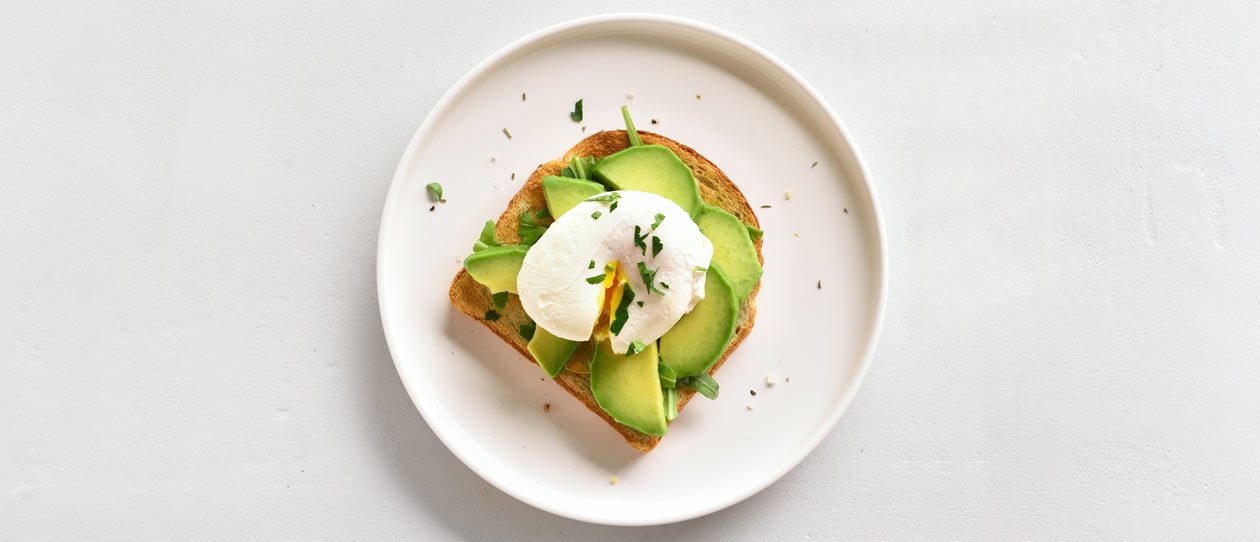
881, 276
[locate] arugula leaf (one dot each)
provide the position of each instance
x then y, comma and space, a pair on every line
435, 189
499, 299
639, 240
529, 229
648, 278
668, 374
595, 215
487, 238
671, 402
702, 383
579, 167
754, 233
596, 279
635, 141
659, 218
567, 172
622, 314
527, 330
491, 315
576, 115
544, 213
611, 196
657, 245
635, 347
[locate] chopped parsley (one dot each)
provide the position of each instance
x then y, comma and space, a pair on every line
595, 215
529, 229
576, 115
592, 266
635, 347
491, 315
649, 277
435, 189
640, 303
612, 207
702, 269
528, 330
665, 286
507, 133
499, 299
596, 279
639, 240
622, 314
659, 218
611, 196
657, 245
608, 267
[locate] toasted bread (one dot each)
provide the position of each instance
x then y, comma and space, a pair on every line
473, 299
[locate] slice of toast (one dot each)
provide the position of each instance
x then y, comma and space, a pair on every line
473, 299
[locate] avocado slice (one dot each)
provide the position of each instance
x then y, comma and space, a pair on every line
551, 352
733, 249
628, 388
701, 336
496, 267
655, 169
563, 193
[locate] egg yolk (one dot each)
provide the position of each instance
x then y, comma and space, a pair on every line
609, 298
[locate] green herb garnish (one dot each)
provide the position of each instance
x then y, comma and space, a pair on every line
576, 115
702, 383
611, 196
578, 166
542, 214
528, 330
529, 229
635, 141
608, 267
640, 303
639, 240
702, 269
567, 172
657, 245
622, 314
595, 215
671, 402
754, 233
487, 238
612, 207
499, 299
667, 374
592, 266
659, 218
491, 315
596, 279
648, 278
507, 133
635, 347
435, 189
665, 286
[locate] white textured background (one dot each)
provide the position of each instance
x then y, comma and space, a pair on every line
189, 337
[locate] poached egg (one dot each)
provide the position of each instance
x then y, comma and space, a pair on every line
560, 283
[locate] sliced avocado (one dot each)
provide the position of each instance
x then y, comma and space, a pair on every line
496, 267
701, 336
563, 193
732, 249
551, 352
655, 169
628, 388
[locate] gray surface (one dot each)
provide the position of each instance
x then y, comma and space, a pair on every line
190, 344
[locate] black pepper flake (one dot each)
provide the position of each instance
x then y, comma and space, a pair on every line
820, 284
546, 407
432, 207
765, 206
813, 165
754, 393
697, 96
522, 96
513, 176
846, 210
656, 121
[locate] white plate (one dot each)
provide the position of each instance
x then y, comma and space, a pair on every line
764, 126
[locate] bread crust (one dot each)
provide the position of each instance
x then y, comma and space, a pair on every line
473, 299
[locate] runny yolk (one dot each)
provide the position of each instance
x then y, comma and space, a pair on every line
609, 297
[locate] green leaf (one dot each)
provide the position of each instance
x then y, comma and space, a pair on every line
702, 383
663, 285
622, 314
659, 218
592, 266
754, 232
595, 215
436, 190
611, 196
639, 240
487, 238
544, 213
640, 303
596, 279
499, 299
567, 172
612, 207
529, 229
702, 269
579, 167
478, 246
491, 315
667, 374
635, 347
576, 115
635, 141
649, 277
657, 245
527, 330
671, 402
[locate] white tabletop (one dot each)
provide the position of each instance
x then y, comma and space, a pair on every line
190, 346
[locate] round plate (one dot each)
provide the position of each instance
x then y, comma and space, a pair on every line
819, 310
